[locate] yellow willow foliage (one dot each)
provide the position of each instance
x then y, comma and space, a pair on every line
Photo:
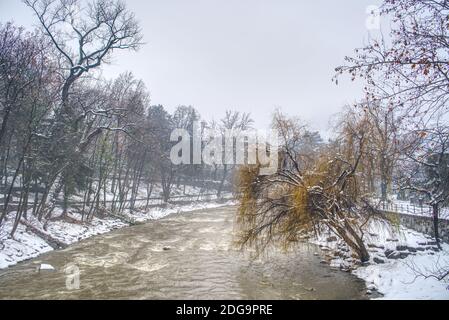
246, 196
301, 199
303, 206
300, 220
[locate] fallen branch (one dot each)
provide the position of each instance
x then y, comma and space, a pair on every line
52, 242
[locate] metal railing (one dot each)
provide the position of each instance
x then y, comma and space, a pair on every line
412, 209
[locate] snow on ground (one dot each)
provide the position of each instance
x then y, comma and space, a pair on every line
398, 257
397, 280
162, 212
26, 245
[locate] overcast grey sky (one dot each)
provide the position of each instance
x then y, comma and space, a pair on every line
248, 55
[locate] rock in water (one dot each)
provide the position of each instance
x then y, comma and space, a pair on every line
46, 268
378, 260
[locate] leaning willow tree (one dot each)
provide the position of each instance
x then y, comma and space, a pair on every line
310, 193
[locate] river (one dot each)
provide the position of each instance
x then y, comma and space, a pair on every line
184, 256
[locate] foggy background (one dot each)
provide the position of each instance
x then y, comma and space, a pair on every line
252, 55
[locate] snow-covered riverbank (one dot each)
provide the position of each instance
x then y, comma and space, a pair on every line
402, 262
399, 279
398, 254
27, 245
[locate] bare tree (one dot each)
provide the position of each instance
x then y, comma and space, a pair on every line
25, 74
234, 124
384, 125
438, 271
160, 125
85, 35
409, 71
425, 169
20, 54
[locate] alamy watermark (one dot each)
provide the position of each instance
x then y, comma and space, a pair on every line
227, 147
72, 280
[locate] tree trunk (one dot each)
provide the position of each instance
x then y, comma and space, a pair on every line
383, 187
436, 210
383, 183
222, 181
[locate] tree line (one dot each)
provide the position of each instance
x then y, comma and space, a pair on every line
67, 134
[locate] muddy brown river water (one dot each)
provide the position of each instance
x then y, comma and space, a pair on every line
184, 256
